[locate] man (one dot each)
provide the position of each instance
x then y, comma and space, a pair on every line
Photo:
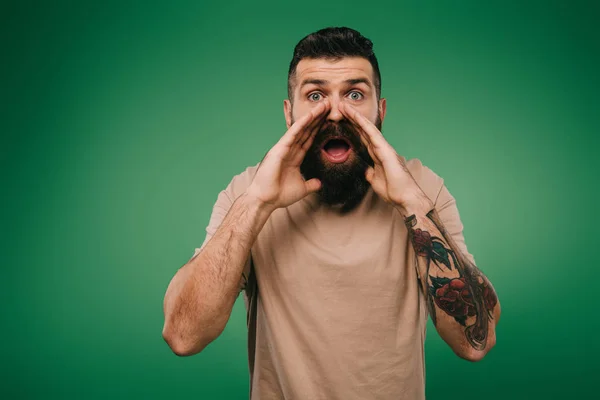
341, 246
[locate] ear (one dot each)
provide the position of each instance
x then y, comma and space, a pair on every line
382, 109
287, 112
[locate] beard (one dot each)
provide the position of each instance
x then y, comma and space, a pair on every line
342, 183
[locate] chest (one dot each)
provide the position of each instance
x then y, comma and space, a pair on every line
325, 259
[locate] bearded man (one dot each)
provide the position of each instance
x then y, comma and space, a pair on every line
341, 246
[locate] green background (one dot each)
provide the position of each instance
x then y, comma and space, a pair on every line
121, 122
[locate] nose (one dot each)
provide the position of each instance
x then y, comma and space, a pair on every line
334, 113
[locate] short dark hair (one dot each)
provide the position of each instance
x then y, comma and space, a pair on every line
334, 43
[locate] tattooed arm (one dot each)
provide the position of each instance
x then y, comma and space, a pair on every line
462, 302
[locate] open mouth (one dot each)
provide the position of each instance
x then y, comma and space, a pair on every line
337, 150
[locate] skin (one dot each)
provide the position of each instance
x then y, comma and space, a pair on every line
201, 295
462, 302
336, 92
279, 171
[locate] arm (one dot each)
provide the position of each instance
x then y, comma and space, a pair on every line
200, 297
462, 302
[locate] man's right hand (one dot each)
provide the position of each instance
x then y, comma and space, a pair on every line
278, 181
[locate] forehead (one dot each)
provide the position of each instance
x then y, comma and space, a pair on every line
334, 70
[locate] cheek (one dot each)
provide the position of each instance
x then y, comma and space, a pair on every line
299, 112
371, 111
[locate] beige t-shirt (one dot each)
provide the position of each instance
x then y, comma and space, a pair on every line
335, 310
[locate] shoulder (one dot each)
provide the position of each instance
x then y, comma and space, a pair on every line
429, 182
240, 182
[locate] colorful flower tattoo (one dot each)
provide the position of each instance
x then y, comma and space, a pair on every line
468, 295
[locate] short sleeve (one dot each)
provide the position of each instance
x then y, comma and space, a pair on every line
220, 210
447, 210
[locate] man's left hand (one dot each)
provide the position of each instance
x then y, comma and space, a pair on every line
389, 176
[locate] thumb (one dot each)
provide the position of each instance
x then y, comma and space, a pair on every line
312, 185
369, 174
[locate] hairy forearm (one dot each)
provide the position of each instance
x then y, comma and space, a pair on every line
461, 300
200, 297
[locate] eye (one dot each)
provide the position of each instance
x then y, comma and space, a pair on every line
311, 96
354, 95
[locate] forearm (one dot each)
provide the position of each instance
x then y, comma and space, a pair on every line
200, 297
462, 302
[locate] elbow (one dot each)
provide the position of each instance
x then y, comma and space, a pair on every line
186, 346
188, 330
180, 347
473, 355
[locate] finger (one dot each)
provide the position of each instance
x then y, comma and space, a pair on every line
310, 135
373, 134
287, 147
297, 127
369, 174
315, 123
298, 150
374, 157
350, 116
364, 138
312, 185
298, 153
311, 138
379, 148
308, 122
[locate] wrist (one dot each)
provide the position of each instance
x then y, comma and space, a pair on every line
255, 203
419, 206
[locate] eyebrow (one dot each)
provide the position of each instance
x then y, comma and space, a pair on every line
322, 82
